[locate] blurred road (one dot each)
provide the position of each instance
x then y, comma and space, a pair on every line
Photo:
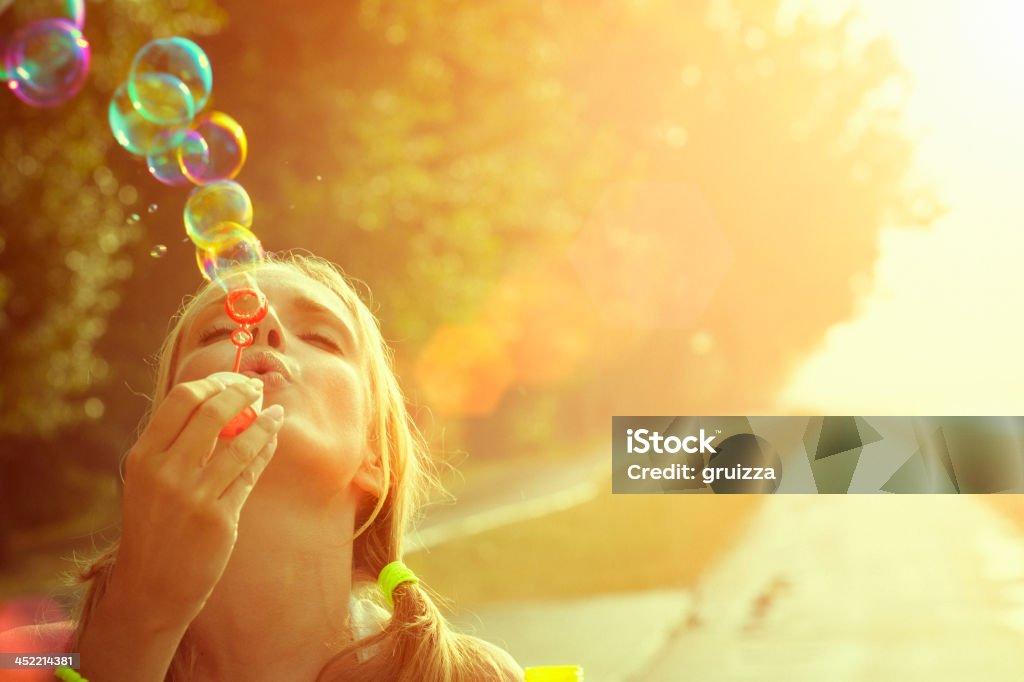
821, 587
501, 496
873, 587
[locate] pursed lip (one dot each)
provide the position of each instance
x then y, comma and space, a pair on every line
270, 379
266, 366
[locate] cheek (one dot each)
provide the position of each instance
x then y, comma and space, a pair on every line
344, 397
336, 400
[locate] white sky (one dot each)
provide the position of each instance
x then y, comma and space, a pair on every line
941, 333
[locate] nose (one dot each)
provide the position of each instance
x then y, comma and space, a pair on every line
269, 331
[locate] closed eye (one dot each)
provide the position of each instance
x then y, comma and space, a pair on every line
320, 338
212, 333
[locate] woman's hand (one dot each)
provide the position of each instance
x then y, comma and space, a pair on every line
180, 517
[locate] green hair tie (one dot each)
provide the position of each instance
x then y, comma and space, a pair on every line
393, 575
68, 675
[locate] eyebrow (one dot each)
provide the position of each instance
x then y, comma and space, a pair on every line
301, 303
308, 305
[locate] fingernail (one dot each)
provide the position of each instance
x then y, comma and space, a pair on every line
256, 383
275, 412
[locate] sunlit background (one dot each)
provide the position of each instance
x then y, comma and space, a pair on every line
938, 332
564, 211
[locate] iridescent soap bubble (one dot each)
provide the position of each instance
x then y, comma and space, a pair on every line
226, 149
165, 166
177, 57
47, 62
76, 10
162, 99
137, 134
211, 205
235, 247
158, 251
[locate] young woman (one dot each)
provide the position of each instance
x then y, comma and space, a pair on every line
256, 557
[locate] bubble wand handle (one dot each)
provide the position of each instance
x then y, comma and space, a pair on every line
242, 338
238, 359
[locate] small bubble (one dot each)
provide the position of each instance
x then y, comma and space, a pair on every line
185, 239
152, 208
158, 251
134, 218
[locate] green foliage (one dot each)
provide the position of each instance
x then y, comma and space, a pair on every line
66, 224
430, 147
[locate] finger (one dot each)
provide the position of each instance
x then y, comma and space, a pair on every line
238, 491
234, 456
200, 435
173, 413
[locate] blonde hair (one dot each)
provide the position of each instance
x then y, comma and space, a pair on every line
417, 643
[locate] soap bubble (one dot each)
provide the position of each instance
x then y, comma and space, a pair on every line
158, 251
226, 149
235, 247
162, 99
165, 166
179, 58
134, 132
47, 62
76, 10
213, 204
133, 218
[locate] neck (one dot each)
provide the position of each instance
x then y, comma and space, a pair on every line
281, 609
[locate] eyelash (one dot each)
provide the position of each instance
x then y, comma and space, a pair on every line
322, 339
217, 331
210, 333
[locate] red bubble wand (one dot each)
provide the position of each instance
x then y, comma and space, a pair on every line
246, 306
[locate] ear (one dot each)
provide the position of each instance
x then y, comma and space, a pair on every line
370, 476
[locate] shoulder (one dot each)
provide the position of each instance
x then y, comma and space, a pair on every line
46, 637
512, 671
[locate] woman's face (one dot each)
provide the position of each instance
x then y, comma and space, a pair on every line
305, 351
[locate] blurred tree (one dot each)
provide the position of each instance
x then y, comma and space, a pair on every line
793, 135
433, 147
64, 252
